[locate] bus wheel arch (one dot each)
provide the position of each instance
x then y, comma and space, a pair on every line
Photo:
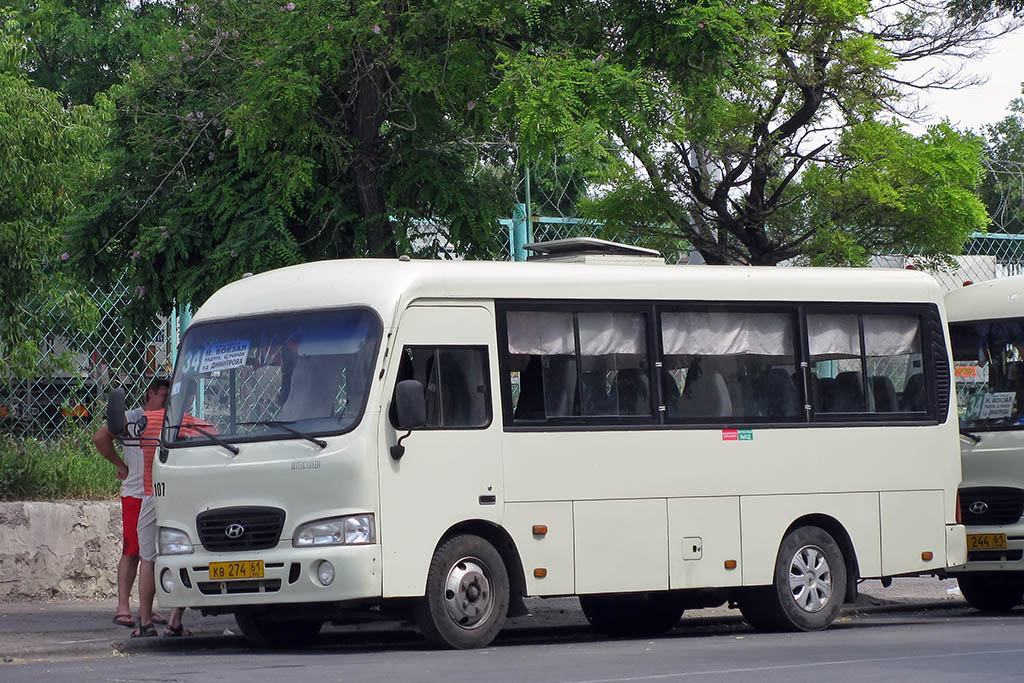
466, 597
842, 537
506, 547
809, 580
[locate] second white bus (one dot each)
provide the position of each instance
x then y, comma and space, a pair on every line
445, 439
986, 324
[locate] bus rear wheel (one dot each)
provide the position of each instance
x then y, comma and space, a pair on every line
632, 614
286, 634
467, 594
992, 592
807, 591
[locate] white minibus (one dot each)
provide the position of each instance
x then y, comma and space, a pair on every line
986, 326
443, 439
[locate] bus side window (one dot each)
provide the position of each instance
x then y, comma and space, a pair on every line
878, 378
455, 385
737, 365
570, 364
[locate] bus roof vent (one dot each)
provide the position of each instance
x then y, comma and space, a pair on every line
592, 250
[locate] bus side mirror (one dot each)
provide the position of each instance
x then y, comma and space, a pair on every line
115, 412
410, 404
410, 411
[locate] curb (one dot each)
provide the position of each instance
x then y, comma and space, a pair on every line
90, 646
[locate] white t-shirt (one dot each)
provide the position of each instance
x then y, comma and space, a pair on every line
132, 485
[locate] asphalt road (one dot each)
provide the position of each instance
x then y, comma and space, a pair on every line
941, 644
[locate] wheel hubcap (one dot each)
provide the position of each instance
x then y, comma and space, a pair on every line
467, 593
810, 579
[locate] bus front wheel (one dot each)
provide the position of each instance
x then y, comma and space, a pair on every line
632, 614
992, 592
807, 591
467, 594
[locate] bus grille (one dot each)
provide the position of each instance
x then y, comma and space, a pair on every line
239, 587
995, 555
260, 528
991, 505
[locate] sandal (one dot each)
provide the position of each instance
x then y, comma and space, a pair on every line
124, 620
176, 631
145, 631
159, 619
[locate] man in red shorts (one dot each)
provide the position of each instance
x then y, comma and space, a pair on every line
147, 522
129, 471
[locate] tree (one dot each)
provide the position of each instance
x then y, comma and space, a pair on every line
49, 153
973, 9
1003, 187
82, 48
277, 132
774, 156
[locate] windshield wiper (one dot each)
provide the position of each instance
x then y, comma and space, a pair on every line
283, 425
212, 437
973, 437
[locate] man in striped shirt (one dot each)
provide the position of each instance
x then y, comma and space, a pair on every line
129, 471
150, 439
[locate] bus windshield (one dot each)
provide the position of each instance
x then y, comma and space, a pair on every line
989, 359
283, 376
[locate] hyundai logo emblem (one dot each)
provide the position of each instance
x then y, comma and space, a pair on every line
978, 507
237, 531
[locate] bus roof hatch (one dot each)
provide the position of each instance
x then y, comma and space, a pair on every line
592, 250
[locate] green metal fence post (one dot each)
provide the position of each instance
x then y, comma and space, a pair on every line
529, 208
520, 232
174, 336
184, 320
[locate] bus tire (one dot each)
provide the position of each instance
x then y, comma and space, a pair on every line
808, 588
467, 594
285, 634
632, 614
991, 593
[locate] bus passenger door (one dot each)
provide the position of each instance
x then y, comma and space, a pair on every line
451, 469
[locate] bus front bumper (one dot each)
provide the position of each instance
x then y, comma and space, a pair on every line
290, 575
1008, 559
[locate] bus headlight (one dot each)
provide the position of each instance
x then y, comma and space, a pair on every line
173, 542
348, 530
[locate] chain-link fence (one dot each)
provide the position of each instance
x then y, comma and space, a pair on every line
109, 355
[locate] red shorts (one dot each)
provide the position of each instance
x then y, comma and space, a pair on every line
130, 507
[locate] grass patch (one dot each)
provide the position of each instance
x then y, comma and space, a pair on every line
67, 467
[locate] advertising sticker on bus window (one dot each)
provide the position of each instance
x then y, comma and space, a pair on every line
224, 356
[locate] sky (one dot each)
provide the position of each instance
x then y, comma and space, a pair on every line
973, 107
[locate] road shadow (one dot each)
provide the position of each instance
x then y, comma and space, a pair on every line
403, 637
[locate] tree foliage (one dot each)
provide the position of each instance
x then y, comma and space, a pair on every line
750, 130
1003, 187
48, 153
281, 132
973, 9
80, 48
